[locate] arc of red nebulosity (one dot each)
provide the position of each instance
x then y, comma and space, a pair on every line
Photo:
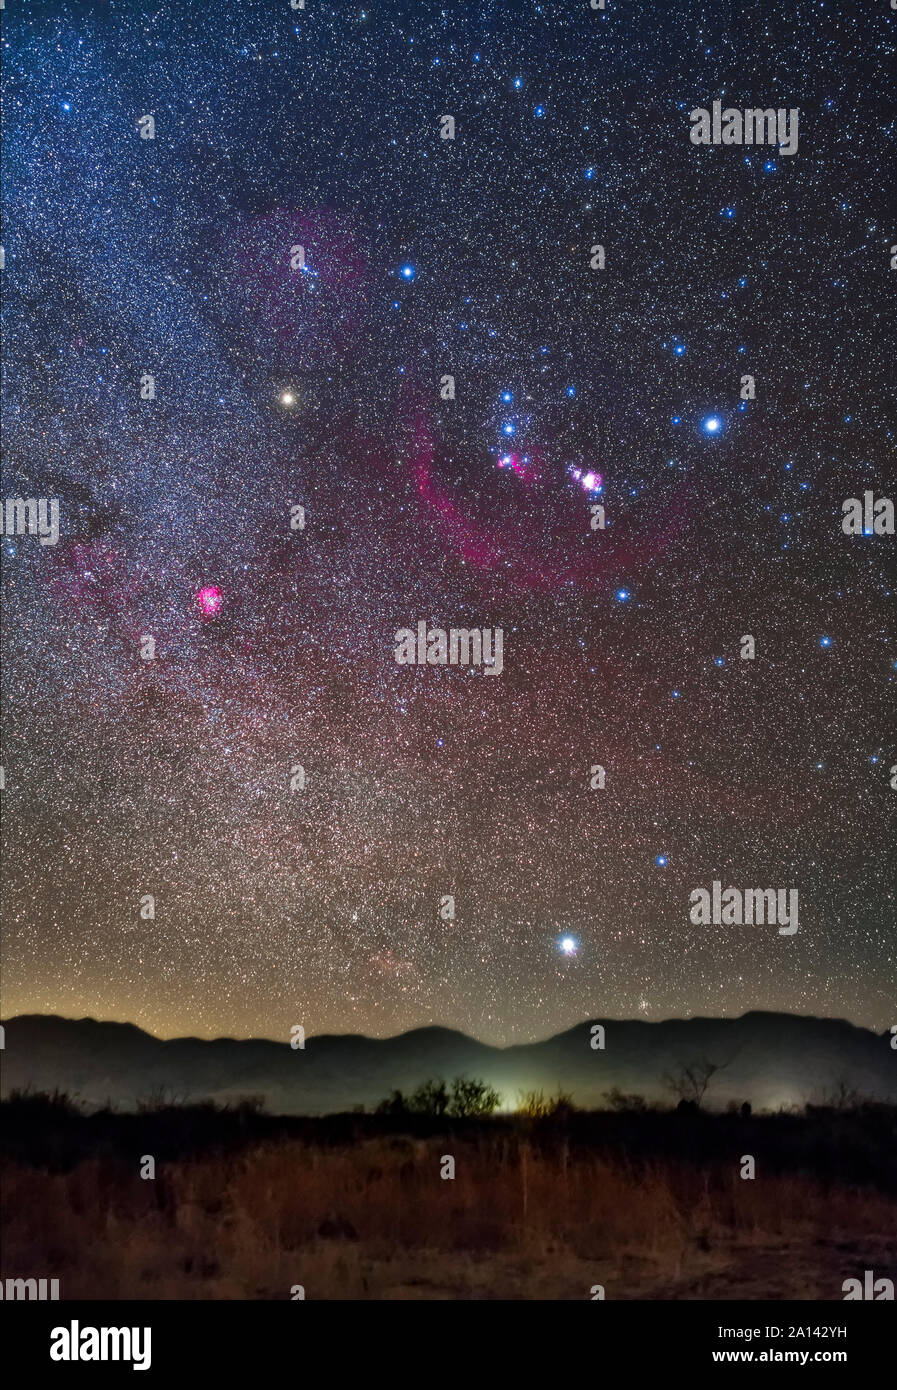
614, 557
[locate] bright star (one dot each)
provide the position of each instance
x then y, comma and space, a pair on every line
408, 272
568, 945
712, 424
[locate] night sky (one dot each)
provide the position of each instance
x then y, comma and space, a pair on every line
320, 387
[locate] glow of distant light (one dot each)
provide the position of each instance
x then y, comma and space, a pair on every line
568, 945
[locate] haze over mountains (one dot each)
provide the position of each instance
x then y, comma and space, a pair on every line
770, 1059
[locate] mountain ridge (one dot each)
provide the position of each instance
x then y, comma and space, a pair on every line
767, 1057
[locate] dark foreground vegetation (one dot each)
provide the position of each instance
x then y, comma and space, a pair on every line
203, 1201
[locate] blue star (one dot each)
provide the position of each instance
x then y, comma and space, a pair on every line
660, 860
408, 272
538, 110
719, 661
727, 212
677, 420
518, 83
679, 350
711, 424
590, 173
508, 428
622, 595
571, 390
507, 396
826, 641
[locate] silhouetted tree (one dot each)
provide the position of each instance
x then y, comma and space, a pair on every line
471, 1098
394, 1104
691, 1080
430, 1098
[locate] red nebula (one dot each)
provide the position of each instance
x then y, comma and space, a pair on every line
209, 600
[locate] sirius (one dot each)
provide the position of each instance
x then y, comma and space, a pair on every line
712, 425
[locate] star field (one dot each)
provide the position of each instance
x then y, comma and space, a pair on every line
320, 387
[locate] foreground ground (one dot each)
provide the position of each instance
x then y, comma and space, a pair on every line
533, 1212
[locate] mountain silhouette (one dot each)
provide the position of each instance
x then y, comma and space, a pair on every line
770, 1059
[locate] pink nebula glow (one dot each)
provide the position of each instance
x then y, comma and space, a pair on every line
209, 600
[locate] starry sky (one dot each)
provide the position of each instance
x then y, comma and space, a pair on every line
320, 387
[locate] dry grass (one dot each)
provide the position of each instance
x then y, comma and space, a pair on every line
376, 1220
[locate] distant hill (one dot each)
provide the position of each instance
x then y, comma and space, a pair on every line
769, 1059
